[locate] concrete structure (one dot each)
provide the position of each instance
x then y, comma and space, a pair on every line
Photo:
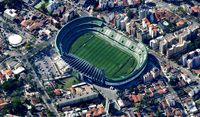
69, 33
143, 12
128, 28
194, 91
177, 48
123, 23
155, 72
154, 44
60, 65
147, 77
106, 3
15, 40
79, 93
191, 59
172, 44
170, 99
53, 4
184, 36
10, 14
169, 46
163, 46
70, 14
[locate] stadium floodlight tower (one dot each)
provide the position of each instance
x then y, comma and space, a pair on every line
100, 53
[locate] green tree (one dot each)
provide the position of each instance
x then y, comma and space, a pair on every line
46, 1
13, 3
12, 84
28, 45
17, 107
43, 8
49, 113
2, 6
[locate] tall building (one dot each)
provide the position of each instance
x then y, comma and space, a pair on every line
123, 23
154, 43
130, 2
163, 46
184, 36
145, 23
152, 16
177, 48
143, 12
190, 63
153, 31
70, 14
106, 3
133, 29
53, 4
155, 72
171, 51
142, 34
194, 29
128, 28
117, 22
191, 59
184, 59
198, 51
147, 77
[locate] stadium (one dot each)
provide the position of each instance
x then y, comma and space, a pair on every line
99, 53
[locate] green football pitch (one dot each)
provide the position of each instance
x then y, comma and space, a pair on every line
115, 63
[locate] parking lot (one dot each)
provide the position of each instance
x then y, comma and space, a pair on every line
44, 64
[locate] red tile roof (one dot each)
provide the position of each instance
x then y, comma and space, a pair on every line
138, 114
195, 9
95, 112
180, 22
8, 72
151, 95
57, 91
25, 23
1, 76
196, 70
136, 98
161, 91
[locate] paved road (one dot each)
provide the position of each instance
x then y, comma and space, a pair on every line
175, 65
27, 55
107, 92
44, 97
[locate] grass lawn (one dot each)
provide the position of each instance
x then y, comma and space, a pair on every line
100, 53
39, 5
198, 102
68, 82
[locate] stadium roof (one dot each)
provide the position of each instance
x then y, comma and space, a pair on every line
15, 39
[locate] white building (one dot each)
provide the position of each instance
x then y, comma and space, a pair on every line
69, 15
53, 4
123, 23
155, 72
191, 59
128, 28
10, 14
15, 40
147, 77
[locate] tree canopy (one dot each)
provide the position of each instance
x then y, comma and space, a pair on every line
13, 3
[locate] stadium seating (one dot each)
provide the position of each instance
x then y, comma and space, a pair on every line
72, 30
84, 67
